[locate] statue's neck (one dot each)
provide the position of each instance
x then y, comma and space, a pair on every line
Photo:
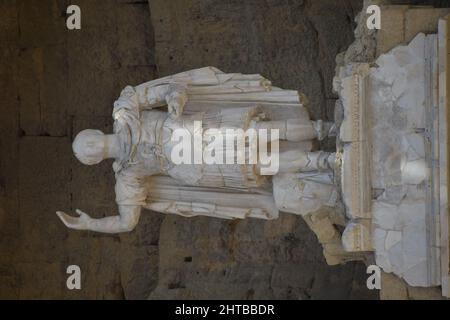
112, 146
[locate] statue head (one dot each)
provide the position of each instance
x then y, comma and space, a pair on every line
89, 146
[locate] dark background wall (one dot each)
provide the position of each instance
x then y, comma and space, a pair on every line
55, 82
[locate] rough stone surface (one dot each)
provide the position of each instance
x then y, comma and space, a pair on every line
394, 288
400, 234
53, 83
248, 36
399, 102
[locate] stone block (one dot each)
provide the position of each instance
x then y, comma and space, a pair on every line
9, 124
41, 195
420, 293
357, 236
392, 30
392, 287
392, 238
384, 215
132, 38
355, 175
30, 67
9, 30
422, 20
324, 230
444, 87
43, 91
41, 23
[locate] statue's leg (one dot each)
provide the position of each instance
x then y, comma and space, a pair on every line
302, 161
290, 130
297, 130
324, 129
296, 160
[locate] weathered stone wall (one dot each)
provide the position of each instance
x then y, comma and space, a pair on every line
394, 288
55, 82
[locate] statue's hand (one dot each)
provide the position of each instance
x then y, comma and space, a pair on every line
176, 99
79, 223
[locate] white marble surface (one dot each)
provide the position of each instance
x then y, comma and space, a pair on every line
398, 102
394, 97
443, 43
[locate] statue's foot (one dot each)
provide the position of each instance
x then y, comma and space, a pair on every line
331, 161
324, 129
322, 160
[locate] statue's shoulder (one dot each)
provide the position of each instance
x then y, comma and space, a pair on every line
126, 171
130, 187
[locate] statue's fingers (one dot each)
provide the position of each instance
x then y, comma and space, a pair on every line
69, 221
80, 213
61, 214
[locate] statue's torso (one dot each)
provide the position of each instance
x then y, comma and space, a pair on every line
152, 154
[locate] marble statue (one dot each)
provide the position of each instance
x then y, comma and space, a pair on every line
146, 116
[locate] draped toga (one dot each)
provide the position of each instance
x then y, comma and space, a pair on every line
145, 174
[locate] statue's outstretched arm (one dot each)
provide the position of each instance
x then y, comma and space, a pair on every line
125, 222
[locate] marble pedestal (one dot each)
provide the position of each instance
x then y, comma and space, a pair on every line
393, 158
